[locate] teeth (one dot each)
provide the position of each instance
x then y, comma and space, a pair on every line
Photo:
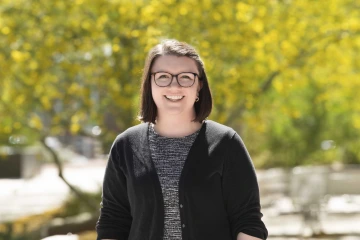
174, 97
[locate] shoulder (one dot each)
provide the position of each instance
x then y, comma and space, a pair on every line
215, 129
221, 134
132, 134
216, 136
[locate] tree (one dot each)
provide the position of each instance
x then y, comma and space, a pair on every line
69, 66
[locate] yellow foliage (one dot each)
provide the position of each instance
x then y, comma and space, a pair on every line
17, 125
312, 45
50, 41
296, 114
7, 129
35, 122
19, 100
260, 127
5, 30
74, 128
74, 88
205, 44
261, 11
115, 47
216, 16
260, 69
86, 25
258, 25
279, 86
183, 10
135, 33
45, 101
122, 10
244, 12
56, 119
249, 101
19, 56
76, 122
33, 65
356, 121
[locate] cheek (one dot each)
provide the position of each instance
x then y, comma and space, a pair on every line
155, 92
192, 95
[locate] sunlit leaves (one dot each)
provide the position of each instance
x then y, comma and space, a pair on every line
284, 72
35, 122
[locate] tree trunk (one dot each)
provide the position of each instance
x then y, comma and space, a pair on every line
75, 190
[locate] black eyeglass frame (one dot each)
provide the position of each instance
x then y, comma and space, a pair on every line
176, 77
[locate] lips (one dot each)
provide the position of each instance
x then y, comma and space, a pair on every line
174, 97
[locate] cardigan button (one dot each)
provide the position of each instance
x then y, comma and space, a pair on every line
181, 206
183, 226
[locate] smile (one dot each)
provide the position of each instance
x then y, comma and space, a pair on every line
174, 98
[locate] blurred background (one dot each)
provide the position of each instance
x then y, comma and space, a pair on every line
285, 74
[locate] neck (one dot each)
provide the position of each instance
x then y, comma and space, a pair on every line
176, 126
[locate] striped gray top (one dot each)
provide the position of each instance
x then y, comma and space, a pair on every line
169, 155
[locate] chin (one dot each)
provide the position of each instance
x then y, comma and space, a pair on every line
173, 111
177, 111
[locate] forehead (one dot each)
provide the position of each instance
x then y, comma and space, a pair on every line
174, 64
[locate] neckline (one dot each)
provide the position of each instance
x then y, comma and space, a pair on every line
151, 127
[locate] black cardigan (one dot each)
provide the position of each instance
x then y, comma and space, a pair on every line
218, 189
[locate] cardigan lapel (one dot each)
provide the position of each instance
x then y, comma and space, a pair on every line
141, 146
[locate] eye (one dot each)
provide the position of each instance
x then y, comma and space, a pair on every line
186, 76
163, 76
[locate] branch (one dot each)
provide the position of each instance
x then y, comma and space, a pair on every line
267, 83
297, 61
240, 108
75, 190
58, 163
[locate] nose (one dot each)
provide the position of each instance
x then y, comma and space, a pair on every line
174, 82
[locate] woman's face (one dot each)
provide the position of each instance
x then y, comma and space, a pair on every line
174, 99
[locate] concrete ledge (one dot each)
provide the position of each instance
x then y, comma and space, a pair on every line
62, 237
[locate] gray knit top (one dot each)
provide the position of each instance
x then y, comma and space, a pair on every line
169, 155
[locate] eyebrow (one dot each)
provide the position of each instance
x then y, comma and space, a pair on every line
176, 73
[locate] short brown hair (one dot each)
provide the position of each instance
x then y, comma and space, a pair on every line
148, 110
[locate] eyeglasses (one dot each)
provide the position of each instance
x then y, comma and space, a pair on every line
164, 79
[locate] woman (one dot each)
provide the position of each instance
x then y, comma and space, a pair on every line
177, 175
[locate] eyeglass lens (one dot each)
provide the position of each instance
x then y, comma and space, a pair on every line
164, 79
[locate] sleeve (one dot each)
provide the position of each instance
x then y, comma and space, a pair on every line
241, 191
115, 216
